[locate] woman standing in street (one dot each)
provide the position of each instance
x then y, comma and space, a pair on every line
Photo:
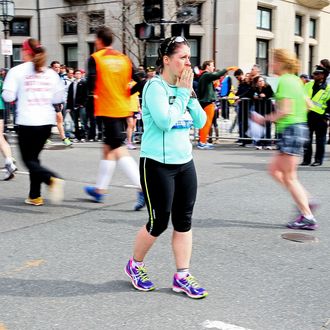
290, 117
37, 90
167, 171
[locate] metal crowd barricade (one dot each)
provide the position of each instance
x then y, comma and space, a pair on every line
236, 124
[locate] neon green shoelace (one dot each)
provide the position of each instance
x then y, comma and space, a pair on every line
192, 281
143, 274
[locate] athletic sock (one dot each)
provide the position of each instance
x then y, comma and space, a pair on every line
9, 161
106, 170
130, 169
309, 216
136, 264
182, 272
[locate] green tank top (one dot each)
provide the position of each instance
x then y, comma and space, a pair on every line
291, 87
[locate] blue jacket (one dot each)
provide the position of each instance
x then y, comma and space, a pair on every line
168, 112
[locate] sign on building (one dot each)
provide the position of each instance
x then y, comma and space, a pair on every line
6, 47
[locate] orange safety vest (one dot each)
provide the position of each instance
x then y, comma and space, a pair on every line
112, 92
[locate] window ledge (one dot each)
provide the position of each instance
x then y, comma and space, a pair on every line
316, 4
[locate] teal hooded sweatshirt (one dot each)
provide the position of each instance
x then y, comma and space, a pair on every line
168, 113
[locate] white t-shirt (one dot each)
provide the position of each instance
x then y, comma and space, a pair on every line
35, 94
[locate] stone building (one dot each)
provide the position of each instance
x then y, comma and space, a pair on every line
233, 32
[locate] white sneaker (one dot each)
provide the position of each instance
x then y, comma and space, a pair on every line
259, 147
56, 190
10, 170
205, 146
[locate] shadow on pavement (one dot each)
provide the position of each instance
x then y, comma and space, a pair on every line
59, 288
213, 223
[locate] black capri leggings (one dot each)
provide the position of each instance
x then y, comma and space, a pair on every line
168, 189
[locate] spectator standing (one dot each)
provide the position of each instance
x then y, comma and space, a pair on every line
290, 117
326, 64
207, 97
76, 105
319, 92
109, 75
262, 94
167, 170
225, 88
37, 90
244, 97
56, 66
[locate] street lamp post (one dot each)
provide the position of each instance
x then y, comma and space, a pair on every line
7, 13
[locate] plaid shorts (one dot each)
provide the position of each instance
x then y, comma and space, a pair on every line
292, 139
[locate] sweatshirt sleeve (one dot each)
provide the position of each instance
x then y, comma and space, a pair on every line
156, 101
211, 76
197, 113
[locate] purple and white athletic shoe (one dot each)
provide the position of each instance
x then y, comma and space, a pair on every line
139, 277
189, 286
303, 223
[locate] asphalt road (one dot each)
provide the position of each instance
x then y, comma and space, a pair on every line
61, 267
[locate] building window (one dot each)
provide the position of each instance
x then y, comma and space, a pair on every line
17, 55
194, 51
71, 55
20, 27
311, 60
262, 55
297, 49
95, 21
189, 13
312, 28
69, 24
264, 18
91, 48
298, 26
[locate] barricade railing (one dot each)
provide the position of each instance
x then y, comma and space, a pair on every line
233, 119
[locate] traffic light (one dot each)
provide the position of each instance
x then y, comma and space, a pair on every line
153, 10
144, 31
180, 30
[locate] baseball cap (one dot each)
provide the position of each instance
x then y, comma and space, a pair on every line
320, 69
151, 69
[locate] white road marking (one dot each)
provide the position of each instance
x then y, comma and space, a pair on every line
221, 325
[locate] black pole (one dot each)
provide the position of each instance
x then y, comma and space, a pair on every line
214, 31
5, 31
124, 27
39, 20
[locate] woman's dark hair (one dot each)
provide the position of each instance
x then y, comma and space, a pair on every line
255, 81
168, 47
105, 34
325, 63
37, 52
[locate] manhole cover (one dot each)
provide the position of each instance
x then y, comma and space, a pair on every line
298, 237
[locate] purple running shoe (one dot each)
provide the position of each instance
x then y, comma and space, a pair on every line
189, 286
303, 223
139, 277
